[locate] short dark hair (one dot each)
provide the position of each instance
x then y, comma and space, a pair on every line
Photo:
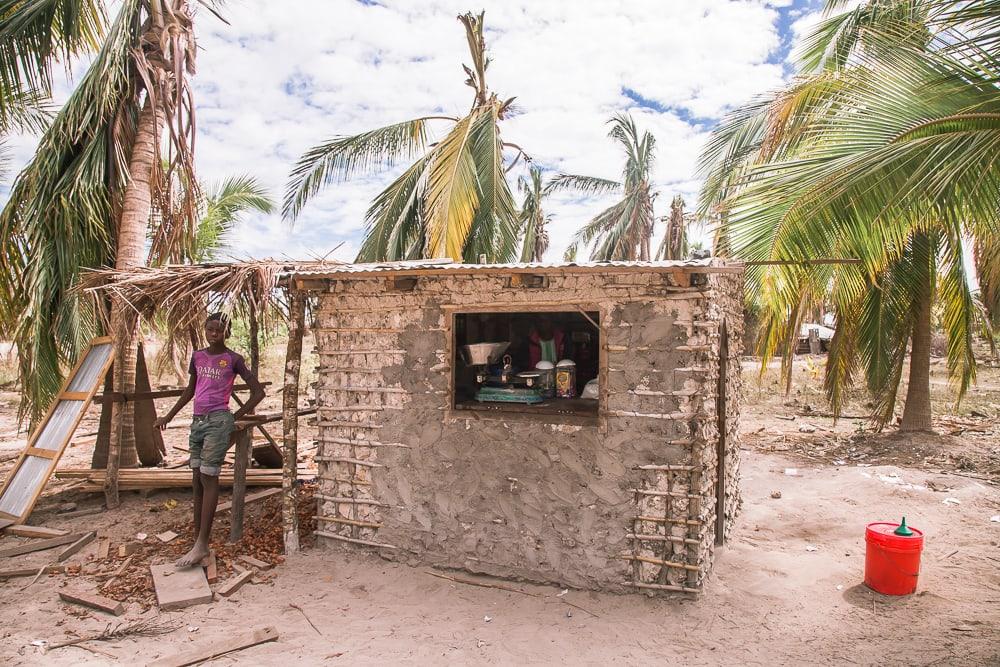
223, 319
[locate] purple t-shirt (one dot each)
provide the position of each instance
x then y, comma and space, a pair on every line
215, 374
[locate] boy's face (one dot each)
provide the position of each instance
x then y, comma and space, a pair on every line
215, 332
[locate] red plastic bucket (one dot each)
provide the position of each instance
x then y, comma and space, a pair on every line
892, 562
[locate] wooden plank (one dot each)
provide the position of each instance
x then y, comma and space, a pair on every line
31, 571
164, 478
255, 562
34, 531
73, 396
253, 497
76, 546
235, 583
39, 545
211, 567
104, 548
177, 589
94, 601
41, 453
146, 395
127, 549
216, 648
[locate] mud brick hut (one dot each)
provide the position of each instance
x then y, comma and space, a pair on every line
631, 490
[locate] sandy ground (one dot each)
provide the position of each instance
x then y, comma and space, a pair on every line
786, 588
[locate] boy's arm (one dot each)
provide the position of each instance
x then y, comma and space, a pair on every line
182, 400
256, 390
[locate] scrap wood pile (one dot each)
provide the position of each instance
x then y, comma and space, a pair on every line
262, 540
120, 570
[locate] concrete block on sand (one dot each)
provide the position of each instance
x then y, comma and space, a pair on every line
177, 589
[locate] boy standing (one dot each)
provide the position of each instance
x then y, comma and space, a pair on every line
212, 374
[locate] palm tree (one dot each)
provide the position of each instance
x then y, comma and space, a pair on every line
533, 218
453, 201
86, 198
220, 208
623, 231
675, 240
884, 150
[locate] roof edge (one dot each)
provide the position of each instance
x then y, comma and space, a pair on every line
444, 268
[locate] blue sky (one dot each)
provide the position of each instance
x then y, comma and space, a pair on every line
287, 75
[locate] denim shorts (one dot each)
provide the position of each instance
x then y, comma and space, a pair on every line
209, 441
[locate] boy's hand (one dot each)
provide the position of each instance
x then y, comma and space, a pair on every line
161, 423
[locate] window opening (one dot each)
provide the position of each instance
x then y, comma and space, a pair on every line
536, 363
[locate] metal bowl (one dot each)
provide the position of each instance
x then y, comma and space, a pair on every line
480, 354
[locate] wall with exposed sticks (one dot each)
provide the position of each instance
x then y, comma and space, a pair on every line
628, 502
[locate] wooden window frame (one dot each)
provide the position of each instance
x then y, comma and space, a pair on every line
451, 311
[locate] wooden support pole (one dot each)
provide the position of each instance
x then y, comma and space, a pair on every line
239, 482
290, 421
254, 339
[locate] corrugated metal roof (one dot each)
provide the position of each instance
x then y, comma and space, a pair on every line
444, 266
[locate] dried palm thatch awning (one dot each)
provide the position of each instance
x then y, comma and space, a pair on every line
183, 294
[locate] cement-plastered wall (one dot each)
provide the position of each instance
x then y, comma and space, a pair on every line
555, 502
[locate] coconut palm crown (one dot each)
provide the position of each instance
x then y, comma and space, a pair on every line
453, 201
535, 236
883, 150
622, 231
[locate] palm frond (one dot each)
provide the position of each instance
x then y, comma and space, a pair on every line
495, 227
394, 220
986, 254
34, 33
343, 157
23, 111
454, 201
586, 184
60, 216
832, 44
452, 193
963, 316
225, 203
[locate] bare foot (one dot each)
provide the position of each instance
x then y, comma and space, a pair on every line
193, 557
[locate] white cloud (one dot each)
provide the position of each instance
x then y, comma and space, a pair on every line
287, 75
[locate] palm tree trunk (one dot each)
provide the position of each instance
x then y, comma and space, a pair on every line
132, 227
917, 410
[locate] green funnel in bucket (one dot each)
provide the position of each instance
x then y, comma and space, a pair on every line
903, 529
